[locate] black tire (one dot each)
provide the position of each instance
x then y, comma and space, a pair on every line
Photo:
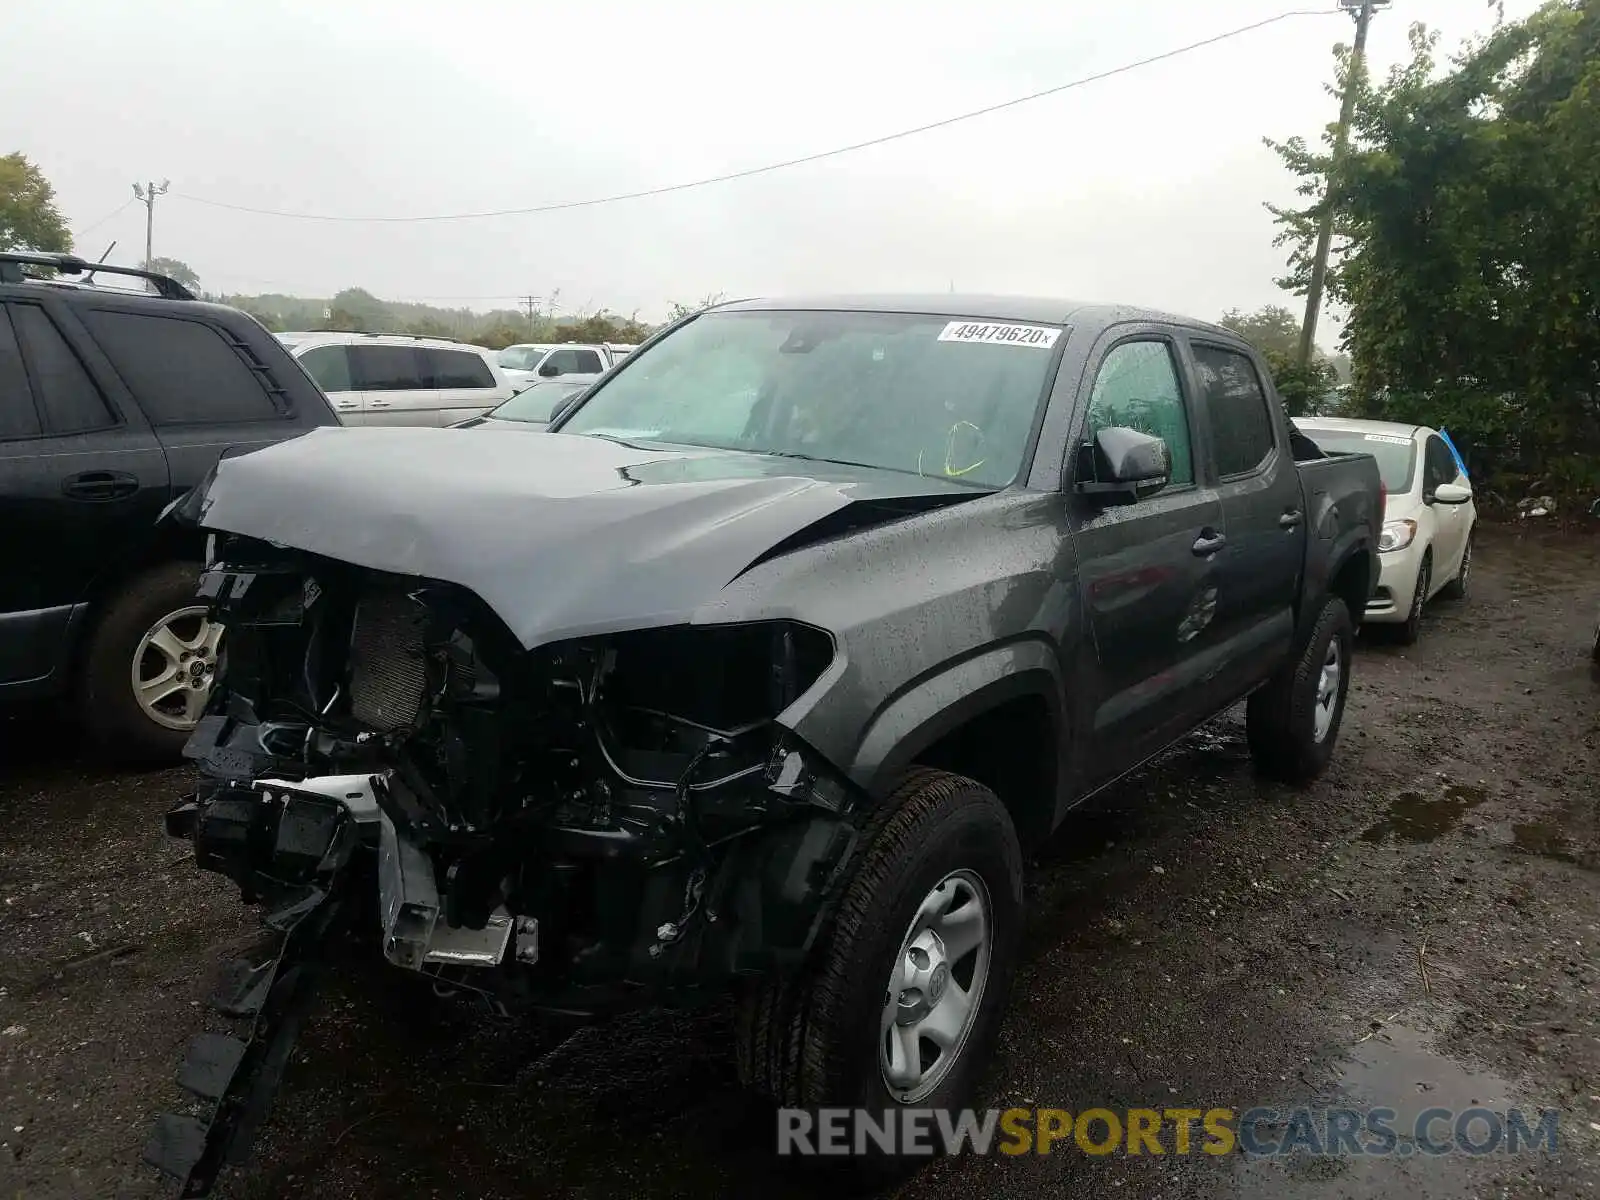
1408, 633
1456, 589
1281, 717
813, 1041
110, 711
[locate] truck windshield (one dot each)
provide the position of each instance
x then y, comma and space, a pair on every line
1396, 453
521, 358
903, 392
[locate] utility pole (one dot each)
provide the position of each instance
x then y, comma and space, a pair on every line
528, 303
1362, 10
147, 195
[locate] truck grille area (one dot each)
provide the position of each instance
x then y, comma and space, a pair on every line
388, 662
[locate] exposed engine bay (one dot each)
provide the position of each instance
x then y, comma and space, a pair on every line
590, 825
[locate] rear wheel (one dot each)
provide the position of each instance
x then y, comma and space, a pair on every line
1293, 721
903, 998
148, 666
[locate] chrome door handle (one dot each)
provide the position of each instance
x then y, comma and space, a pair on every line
1290, 519
1209, 542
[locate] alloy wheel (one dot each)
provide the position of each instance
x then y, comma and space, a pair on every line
174, 667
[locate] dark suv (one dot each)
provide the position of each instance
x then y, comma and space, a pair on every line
112, 404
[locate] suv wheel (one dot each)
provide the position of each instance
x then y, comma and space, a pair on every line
903, 998
1293, 721
149, 664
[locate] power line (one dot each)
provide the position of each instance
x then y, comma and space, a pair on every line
92, 226
777, 166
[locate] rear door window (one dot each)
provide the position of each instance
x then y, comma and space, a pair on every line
387, 369
329, 366
18, 417
588, 362
1236, 401
66, 395
181, 371
457, 369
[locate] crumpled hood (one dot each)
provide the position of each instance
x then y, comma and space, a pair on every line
561, 535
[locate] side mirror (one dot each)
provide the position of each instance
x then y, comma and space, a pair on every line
1451, 493
1122, 466
549, 370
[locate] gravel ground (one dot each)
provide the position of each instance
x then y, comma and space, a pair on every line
1418, 929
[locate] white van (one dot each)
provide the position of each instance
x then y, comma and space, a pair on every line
395, 379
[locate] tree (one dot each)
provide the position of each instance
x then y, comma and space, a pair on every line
1470, 262
29, 218
359, 309
606, 326
679, 309
1275, 332
177, 270
498, 337
1271, 328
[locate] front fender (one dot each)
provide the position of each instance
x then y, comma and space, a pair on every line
933, 706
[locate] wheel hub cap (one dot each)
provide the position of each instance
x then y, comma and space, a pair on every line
935, 987
174, 667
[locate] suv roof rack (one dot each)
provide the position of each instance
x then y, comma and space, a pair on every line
416, 337
12, 262
373, 333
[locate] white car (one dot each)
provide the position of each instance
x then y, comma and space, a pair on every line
1426, 546
395, 379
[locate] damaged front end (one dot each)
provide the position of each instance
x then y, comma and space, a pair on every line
598, 824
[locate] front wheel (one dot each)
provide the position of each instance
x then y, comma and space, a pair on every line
1456, 589
1293, 721
903, 999
1412, 629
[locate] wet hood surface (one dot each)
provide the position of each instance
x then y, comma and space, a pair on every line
561, 535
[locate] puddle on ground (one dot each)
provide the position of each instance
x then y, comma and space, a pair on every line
1395, 1069
1418, 817
1546, 841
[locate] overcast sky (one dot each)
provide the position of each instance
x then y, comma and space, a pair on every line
1147, 187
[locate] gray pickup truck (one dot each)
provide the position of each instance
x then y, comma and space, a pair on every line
763, 670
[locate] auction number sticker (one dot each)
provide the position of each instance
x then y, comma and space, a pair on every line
1389, 438
1040, 336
